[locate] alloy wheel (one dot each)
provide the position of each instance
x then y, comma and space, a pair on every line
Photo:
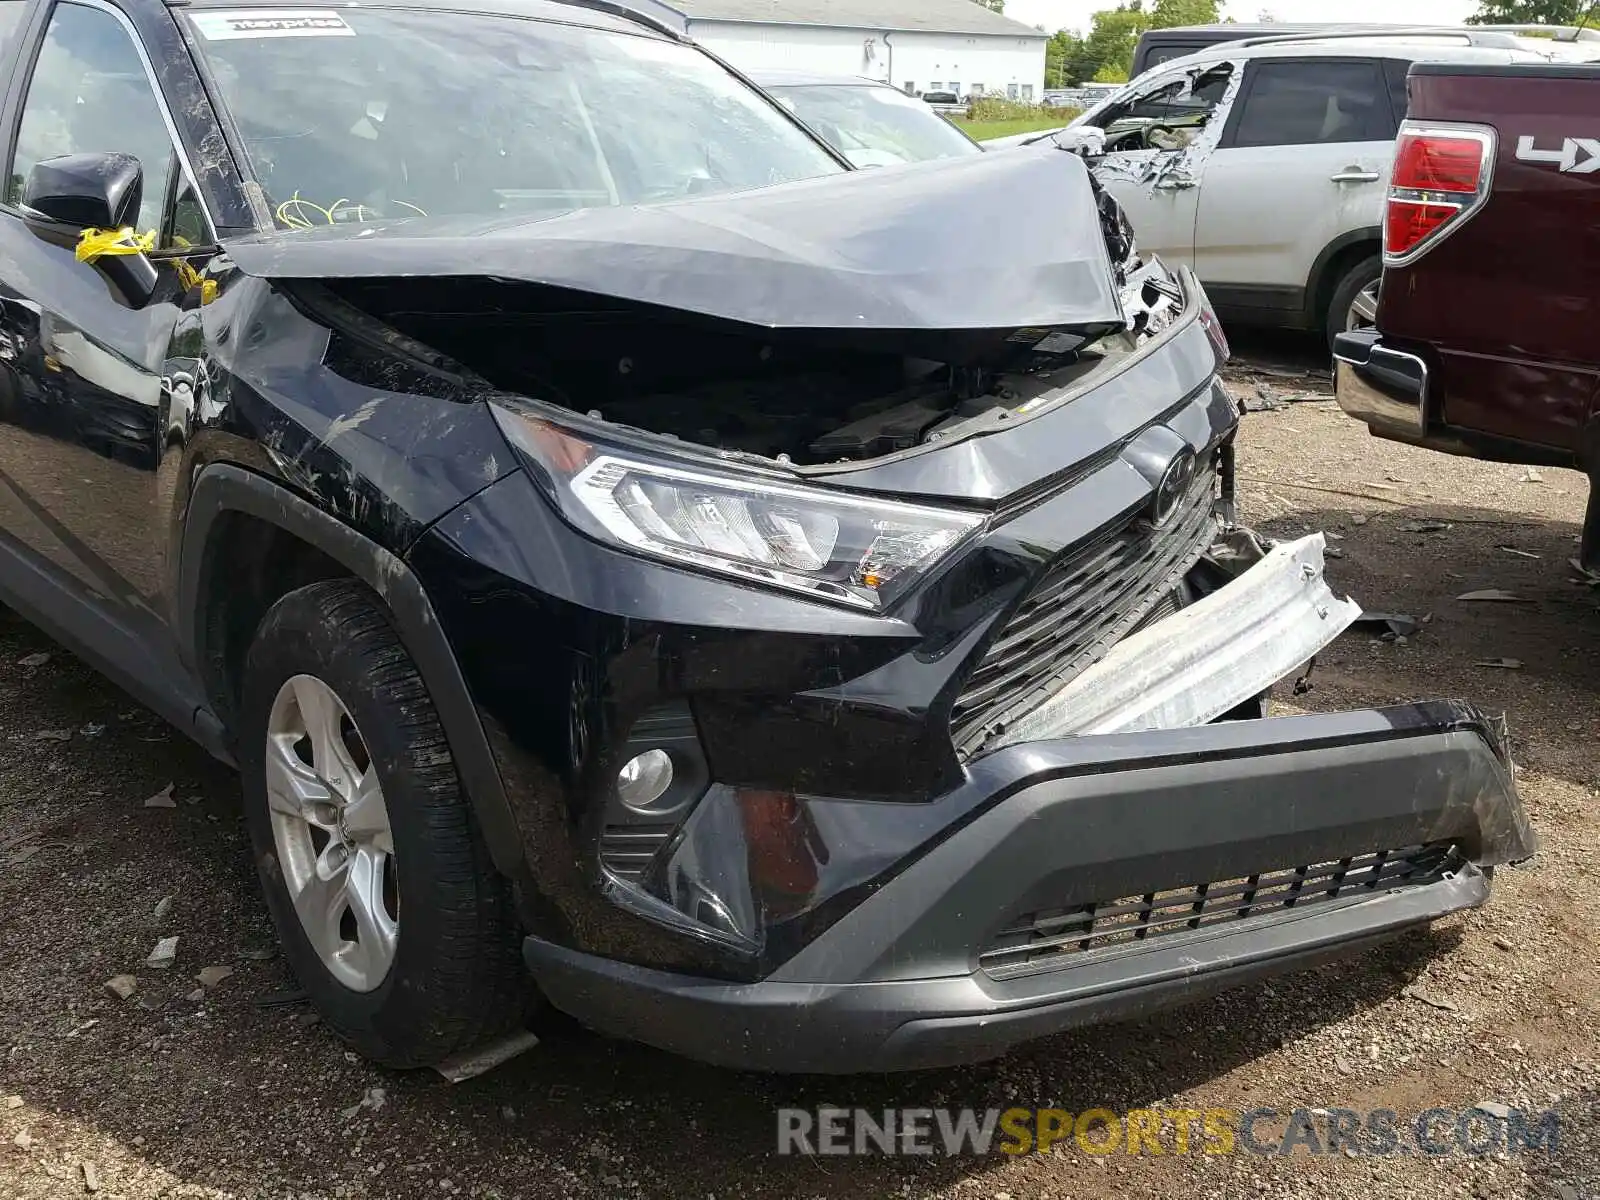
331, 830
1364, 308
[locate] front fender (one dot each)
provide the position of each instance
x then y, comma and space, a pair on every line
221, 489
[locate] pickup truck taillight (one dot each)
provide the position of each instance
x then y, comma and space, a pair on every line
1441, 177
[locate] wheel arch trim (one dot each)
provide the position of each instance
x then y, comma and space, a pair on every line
222, 489
1319, 268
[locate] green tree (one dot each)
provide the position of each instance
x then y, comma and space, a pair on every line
1113, 34
1066, 61
1168, 14
1106, 54
998, 6
1531, 12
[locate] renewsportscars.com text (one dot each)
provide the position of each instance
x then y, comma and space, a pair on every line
1378, 1132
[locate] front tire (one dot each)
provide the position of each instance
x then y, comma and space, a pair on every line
390, 912
1354, 304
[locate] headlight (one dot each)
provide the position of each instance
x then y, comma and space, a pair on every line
827, 544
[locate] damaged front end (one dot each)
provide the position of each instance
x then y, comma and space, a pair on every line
868, 644
747, 326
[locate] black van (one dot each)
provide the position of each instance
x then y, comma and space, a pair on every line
1158, 46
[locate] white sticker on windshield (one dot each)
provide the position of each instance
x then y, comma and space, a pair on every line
229, 25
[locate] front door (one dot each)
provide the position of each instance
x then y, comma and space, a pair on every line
1156, 138
84, 409
1305, 158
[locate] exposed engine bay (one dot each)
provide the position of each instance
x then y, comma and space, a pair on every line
806, 396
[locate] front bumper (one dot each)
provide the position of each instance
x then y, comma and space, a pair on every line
1063, 828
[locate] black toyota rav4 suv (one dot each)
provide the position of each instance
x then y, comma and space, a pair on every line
793, 614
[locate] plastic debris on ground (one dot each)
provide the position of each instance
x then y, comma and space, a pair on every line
487, 1057
1388, 626
162, 799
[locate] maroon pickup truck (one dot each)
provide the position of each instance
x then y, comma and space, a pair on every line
1486, 341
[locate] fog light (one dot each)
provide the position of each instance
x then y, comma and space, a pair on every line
644, 779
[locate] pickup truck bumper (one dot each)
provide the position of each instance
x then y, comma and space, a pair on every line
1383, 387
1103, 877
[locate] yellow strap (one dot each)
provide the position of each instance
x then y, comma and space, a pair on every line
96, 243
189, 278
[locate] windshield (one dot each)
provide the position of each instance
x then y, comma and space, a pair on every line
874, 126
357, 113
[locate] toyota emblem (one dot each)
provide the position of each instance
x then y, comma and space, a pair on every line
1173, 487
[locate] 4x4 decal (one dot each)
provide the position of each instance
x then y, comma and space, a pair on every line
1567, 158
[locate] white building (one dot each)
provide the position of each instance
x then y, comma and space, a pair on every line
919, 45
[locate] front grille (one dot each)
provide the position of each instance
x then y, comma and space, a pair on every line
1055, 938
1080, 608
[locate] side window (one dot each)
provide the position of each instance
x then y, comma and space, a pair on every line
1206, 89
1169, 115
1151, 105
90, 92
1300, 103
189, 224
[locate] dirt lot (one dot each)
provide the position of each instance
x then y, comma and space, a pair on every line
186, 1092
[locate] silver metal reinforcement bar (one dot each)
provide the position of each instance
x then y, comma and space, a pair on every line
1206, 659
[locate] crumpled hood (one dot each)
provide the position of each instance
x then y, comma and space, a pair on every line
996, 241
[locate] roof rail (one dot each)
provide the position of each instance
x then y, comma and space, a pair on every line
1470, 35
653, 14
1557, 33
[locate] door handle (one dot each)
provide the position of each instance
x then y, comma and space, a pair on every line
1175, 183
1355, 175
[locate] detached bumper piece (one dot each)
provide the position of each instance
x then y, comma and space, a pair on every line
1203, 661
1094, 878
1385, 388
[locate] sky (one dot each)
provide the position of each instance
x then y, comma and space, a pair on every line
1074, 14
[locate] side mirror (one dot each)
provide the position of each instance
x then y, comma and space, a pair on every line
86, 191
1087, 140
66, 195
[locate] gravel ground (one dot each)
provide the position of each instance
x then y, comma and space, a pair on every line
186, 1090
